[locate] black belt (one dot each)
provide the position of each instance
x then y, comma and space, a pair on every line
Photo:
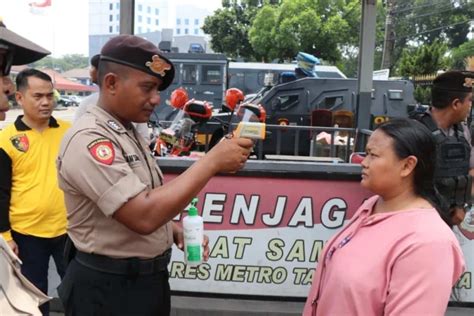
127, 266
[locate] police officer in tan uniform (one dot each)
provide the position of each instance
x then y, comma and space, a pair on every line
119, 210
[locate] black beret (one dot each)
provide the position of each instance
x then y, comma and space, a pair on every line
24, 51
458, 81
138, 53
95, 61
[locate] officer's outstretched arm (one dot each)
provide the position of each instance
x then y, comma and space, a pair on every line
151, 209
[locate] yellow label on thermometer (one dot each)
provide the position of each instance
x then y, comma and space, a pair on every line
252, 130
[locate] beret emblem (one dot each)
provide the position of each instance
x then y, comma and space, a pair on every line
158, 65
468, 82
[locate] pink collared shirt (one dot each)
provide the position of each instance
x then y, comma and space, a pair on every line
396, 263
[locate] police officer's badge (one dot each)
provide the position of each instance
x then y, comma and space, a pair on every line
20, 142
114, 125
102, 150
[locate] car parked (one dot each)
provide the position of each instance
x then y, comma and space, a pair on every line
66, 102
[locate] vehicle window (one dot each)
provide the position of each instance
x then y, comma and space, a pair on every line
331, 103
189, 73
328, 74
286, 102
211, 74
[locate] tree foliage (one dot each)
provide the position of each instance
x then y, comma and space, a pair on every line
65, 63
460, 54
421, 22
229, 28
427, 59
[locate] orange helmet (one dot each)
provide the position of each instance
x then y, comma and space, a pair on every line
233, 96
179, 97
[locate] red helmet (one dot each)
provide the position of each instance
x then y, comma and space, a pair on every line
233, 96
199, 111
179, 97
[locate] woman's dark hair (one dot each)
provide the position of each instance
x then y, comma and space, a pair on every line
412, 138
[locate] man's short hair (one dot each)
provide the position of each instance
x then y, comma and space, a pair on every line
449, 86
22, 77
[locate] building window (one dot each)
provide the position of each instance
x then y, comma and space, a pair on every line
140, 7
148, 20
140, 30
140, 18
148, 9
117, 29
178, 31
117, 5
157, 11
111, 6
178, 21
186, 21
186, 31
111, 29
111, 18
118, 17
157, 22
196, 31
196, 21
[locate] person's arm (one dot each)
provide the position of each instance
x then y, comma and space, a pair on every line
422, 279
149, 210
5, 195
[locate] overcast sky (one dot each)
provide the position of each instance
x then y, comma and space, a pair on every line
64, 29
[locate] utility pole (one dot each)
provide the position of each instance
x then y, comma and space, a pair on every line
389, 38
366, 65
127, 16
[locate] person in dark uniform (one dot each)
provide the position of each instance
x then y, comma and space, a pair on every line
119, 210
451, 96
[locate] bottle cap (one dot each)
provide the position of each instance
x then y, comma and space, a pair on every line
193, 211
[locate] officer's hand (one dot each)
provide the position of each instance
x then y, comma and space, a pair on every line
178, 239
230, 155
205, 246
13, 246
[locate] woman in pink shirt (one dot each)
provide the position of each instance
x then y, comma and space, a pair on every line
397, 256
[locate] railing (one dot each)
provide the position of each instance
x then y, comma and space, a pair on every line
351, 137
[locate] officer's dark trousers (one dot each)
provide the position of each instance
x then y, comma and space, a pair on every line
88, 292
35, 253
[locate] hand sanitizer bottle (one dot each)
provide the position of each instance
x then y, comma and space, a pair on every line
193, 229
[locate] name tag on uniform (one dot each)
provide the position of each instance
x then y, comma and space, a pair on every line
131, 158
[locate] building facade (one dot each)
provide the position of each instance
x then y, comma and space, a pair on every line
151, 18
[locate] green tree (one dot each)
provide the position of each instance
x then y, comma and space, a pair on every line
65, 63
229, 26
315, 27
262, 25
459, 55
424, 60
427, 21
